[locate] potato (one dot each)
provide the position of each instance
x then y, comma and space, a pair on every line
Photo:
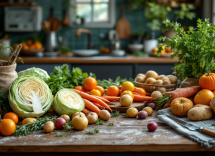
150, 81
66, 117
28, 120
200, 112
162, 90
212, 104
158, 82
173, 79
140, 74
161, 76
156, 94
48, 126
149, 110
151, 74
140, 79
104, 115
166, 82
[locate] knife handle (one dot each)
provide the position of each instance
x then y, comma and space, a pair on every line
208, 132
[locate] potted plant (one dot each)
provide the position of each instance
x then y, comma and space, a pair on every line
64, 51
155, 14
194, 49
184, 12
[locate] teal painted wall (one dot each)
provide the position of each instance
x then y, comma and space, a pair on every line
136, 18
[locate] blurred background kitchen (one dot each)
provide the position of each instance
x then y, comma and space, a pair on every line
108, 37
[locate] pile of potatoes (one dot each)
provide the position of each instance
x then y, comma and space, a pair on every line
151, 77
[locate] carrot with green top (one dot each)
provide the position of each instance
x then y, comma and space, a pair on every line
92, 98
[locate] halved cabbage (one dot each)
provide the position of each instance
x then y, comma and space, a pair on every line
68, 102
30, 96
38, 72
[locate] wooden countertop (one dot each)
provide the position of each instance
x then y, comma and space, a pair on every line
97, 60
127, 135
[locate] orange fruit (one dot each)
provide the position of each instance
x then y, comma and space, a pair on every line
12, 116
203, 97
80, 88
101, 89
140, 91
128, 86
7, 127
38, 45
113, 91
95, 92
128, 93
90, 83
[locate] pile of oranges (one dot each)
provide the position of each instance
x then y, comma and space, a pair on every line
30, 44
8, 125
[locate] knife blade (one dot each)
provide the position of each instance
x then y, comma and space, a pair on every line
192, 127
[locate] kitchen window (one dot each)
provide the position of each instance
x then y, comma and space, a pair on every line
92, 13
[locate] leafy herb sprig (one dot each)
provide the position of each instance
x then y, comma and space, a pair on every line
99, 122
115, 114
59, 134
111, 124
160, 102
32, 127
92, 132
4, 103
68, 126
195, 49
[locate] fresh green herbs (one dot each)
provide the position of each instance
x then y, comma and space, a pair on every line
59, 134
4, 103
160, 102
107, 83
110, 124
68, 126
99, 122
115, 114
194, 49
68, 134
123, 114
32, 127
92, 132
63, 78
213, 124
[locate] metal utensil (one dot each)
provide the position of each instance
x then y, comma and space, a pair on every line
192, 127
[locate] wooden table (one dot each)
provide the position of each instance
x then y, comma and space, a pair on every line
127, 135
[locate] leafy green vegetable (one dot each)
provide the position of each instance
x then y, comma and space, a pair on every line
32, 127
123, 114
110, 124
139, 53
194, 49
62, 78
4, 103
115, 114
107, 83
213, 124
68, 126
99, 122
92, 132
68, 134
59, 134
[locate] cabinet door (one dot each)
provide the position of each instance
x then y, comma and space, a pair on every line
105, 71
47, 67
165, 69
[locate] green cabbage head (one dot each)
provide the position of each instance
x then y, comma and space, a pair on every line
38, 72
30, 96
68, 102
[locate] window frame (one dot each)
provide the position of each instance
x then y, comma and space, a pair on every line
109, 24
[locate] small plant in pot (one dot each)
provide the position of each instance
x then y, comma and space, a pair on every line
194, 49
155, 14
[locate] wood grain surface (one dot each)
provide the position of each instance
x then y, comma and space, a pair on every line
97, 60
127, 135
119, 107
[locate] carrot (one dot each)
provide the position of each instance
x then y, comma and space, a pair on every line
101, 98
147, 94
111, 98
98, 105
92, 98
140, 98
182, 92
91, 106
86, 111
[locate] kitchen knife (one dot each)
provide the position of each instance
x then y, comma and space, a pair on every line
192, 127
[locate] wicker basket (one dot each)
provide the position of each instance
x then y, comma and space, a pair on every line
152, 87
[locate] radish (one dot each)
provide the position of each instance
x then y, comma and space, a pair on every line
152, 126
59, 123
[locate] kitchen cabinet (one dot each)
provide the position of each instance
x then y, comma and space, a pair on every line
105, 71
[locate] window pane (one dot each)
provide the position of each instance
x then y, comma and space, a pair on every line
98, 1
84, 10
100, 13
83, 0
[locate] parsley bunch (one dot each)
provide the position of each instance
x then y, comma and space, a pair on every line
195, 49
4, 103
63, 78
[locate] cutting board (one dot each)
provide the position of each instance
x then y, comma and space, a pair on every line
119, 107
123, 27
